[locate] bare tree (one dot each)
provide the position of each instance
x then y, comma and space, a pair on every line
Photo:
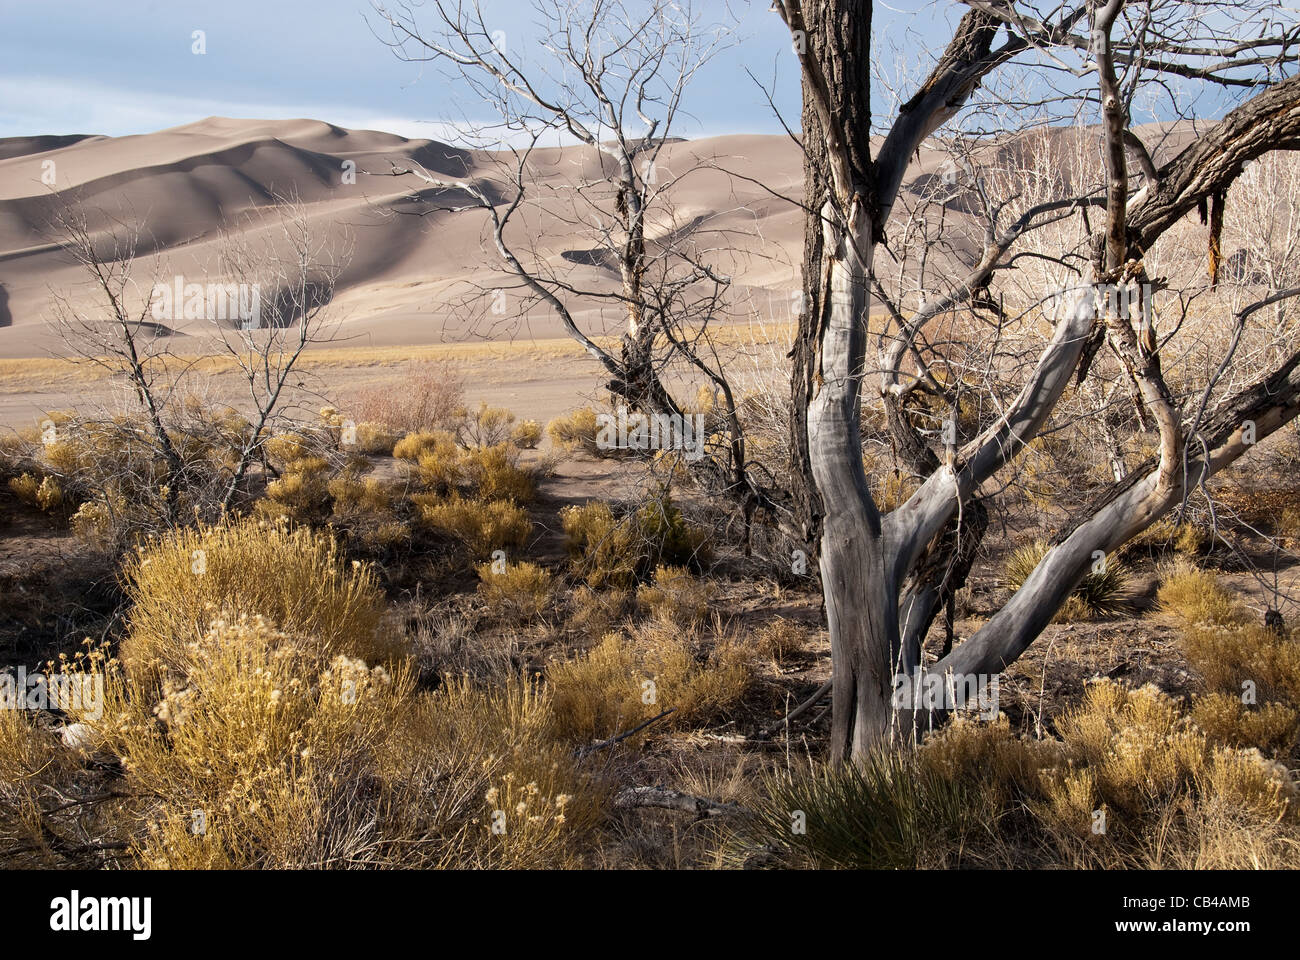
266, 301
612, 85
883, 576
293, 265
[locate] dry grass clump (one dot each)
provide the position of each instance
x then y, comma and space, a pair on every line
297, 578
676, 597
577, 431
779, 639
520, 592
594, 612
623, 681
481, 525
1189, 594
616, 551
1099, 593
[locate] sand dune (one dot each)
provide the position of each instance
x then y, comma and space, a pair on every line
424, 279
408, 277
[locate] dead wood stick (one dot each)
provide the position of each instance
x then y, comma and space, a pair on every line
669, 799
824, 689
623, 736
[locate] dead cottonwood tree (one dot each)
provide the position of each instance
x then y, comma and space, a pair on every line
884, 575
610, 84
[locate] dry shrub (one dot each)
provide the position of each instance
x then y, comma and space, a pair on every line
676, 597
593, 612
622, 681
892, 489
975, 794
353, 496
1165, 536
33, 763
296, 578
494, 473
293, 762
520, 592
481, 525
779, 639
301, 492
526, 435
1273, 728
282, 449
484, 427
1103, 593
577, 430
114, 471
419, 442
1246, 658
428, 396
44, 494
490, 472
1134, 754
447, 642
1191, 595
616, 551
372, 439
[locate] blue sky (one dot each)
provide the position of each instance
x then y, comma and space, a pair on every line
120, 67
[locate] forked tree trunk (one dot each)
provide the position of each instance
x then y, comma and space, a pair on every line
830, 352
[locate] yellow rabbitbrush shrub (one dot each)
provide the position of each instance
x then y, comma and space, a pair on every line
1234, 654
1273, 728
526, 435
1190, 595
419, 442
481, 525
44, 493
284, 761
977, 794
621, 682
615, 551
521, 592
297, 578
676, 597
577, 430
300, 493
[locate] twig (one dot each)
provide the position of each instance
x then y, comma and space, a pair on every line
824, 689
582, 752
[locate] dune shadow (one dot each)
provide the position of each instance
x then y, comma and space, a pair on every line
6, 318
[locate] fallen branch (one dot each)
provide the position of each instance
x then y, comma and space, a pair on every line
668, 799
582, 752
824, 689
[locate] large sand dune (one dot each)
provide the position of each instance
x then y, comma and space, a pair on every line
408, 277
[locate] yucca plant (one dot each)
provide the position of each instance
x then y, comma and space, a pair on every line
1102, 592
